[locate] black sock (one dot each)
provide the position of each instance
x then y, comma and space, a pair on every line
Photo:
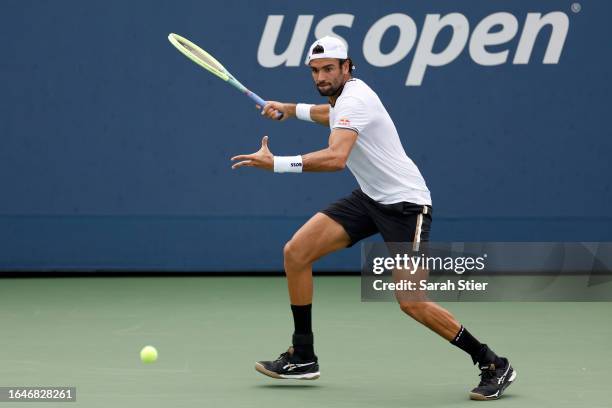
480, 353
302, 337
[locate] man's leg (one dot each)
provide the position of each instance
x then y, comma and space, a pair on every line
411, 223
340, 225
319, 236
417, 305
442, 322
496, 372
432, 316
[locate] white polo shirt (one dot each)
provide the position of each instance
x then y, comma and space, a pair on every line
378, 160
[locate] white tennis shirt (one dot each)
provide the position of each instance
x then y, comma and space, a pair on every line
378, 160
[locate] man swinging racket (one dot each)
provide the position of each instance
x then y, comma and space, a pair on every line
392, 200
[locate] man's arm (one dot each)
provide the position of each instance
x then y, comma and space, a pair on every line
332, 158
318, 113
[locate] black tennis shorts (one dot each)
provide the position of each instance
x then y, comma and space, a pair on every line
362, 217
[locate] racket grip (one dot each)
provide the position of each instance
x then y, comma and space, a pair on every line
261, 102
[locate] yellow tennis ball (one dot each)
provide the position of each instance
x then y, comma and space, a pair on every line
148, 354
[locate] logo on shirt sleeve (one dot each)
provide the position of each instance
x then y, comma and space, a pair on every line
344, 121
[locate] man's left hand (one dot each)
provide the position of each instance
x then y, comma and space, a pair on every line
263, 158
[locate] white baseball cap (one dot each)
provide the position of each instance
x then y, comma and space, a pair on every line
327, 47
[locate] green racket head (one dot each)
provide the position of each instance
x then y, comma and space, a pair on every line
199, 56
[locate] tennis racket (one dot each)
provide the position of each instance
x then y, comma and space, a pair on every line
209, 63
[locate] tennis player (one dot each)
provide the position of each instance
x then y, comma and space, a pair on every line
392, 200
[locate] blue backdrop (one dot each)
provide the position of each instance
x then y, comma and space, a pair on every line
114, 148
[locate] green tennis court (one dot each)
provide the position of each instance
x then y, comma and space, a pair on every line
87, 333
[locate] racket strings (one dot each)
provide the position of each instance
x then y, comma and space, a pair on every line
202, 56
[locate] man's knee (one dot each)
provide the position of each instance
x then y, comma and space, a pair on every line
413, 308
294, 254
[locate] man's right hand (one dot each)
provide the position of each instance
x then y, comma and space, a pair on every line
273, 109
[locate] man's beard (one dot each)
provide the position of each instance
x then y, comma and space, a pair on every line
331, 91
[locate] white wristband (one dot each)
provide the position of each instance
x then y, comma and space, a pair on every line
287, 164
302, 111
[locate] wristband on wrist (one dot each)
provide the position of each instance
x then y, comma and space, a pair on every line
287, 164
302, 111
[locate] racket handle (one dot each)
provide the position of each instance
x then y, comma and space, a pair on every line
261, 102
